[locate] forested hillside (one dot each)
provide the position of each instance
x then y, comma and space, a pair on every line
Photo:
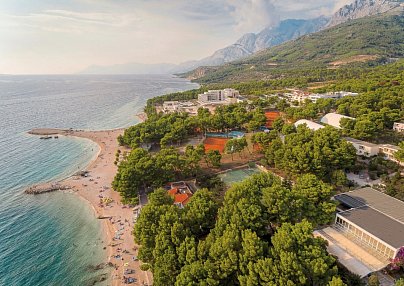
363, 42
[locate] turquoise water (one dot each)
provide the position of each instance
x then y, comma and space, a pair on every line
54, 239
236, 176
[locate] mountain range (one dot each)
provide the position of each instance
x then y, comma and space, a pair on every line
361, 42
252, 43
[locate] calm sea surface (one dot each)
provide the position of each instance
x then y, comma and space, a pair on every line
54, 239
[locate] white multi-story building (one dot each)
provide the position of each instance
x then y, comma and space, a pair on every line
398, 126
299, 96
346, 93
316, 96
231, 93
225, 96
388, 151
363, 148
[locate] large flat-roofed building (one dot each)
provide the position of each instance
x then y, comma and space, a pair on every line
227, 95
368, 230
374, 219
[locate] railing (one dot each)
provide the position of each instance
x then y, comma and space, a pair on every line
371, 266
361, 243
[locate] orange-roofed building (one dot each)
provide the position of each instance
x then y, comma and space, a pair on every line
181, 194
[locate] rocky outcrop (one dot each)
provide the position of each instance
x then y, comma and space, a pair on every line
251, 43
362, 8
37, 190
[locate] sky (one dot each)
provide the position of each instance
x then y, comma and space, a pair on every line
61, 36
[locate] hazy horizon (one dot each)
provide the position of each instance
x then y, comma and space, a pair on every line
43, 37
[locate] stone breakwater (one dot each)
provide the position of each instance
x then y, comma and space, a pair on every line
35, 190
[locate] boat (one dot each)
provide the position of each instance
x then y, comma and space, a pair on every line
45, 137
56, 137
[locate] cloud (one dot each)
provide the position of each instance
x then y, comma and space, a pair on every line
110, 19
67, 35
253, 15
340, 3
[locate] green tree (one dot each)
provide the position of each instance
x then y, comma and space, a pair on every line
160, 197
312, 200
278, 124
301, 258
364, 129
336, 281
136, 171
288, 129
213, 158
399, 155
235, 146
200, 212
373, 280
399, 282
258, 119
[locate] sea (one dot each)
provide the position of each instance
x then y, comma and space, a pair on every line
55, 239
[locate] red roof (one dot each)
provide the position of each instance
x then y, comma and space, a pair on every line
173, 192
179, 198
182, 198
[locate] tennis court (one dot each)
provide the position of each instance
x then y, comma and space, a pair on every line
231, 134
212, 143
235, 176
271, 116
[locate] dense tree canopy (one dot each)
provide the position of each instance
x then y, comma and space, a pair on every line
320, 152
261, 235
142, 169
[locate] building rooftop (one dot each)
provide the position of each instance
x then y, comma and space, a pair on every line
364, 143
393, 147
310, 124
333, 119
180, 196
380, 225
379, 201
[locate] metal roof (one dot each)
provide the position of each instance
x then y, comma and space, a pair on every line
381, 226
310, 124
333, 119
381, 202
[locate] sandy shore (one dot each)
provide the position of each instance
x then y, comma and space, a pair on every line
117, 219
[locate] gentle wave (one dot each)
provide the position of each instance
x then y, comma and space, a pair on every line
52, 239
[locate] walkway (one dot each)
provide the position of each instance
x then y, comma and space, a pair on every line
351, 255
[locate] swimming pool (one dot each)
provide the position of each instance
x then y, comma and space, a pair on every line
231, 134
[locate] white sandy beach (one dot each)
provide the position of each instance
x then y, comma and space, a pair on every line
117, 218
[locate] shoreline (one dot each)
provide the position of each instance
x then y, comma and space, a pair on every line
117, 219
